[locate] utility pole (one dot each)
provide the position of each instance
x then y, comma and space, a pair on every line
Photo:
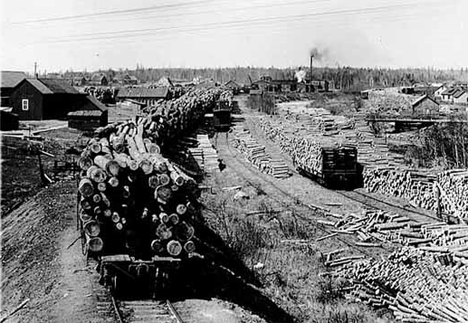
35, 70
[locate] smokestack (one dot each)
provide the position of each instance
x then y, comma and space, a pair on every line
311, 61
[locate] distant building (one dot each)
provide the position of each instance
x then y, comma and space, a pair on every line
145, 95
447, 95
425, 106
9, 80
164, 82
460, 97
98, 80
42, 99
438, 92
126, 80
79, 81
233, 86
91, 115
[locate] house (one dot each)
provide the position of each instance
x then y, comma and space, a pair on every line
126, 80
42, 99
438, 92
98, 80
233, 86
79, 81
460, 97
447, 95
425, 107
9, 79
145, 95
91, 115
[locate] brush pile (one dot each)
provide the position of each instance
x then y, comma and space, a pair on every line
133, 200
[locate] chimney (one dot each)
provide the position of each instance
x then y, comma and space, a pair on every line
311, 60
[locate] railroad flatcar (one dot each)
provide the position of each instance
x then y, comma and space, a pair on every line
338, 168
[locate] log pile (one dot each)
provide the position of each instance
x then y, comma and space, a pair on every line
133, 200
416, 285
257, 155
417, 186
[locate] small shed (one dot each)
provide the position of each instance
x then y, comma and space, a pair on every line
425, 107
92, 115
99, 80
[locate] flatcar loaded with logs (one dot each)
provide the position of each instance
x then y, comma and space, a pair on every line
136, 207
333, 167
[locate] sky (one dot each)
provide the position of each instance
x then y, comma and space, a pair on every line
99, 34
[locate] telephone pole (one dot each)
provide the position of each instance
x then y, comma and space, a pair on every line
35, 70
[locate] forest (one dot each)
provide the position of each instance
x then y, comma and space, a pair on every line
344, 78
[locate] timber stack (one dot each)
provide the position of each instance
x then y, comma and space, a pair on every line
417, 186
133, 200
256, 154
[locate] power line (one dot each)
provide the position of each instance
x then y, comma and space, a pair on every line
152, 31
116, 12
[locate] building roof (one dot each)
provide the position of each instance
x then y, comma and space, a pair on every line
449, 91
421, 99
165, 81
231, 83
85, 113
143, 92
458, 93
59, 86
41, 87
97, 77
93, 103
10, 79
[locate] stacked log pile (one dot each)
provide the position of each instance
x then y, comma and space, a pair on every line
133, 200
417, 187
413, 283
257, 155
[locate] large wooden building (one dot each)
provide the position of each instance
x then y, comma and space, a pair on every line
42, 99
425, 107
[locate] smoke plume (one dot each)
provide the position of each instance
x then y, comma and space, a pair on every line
320, 54
300, 76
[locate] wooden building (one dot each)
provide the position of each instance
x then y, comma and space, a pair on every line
149, 96
425, 107
233, 86
460, 97
9, 80
99, 80
42, 99
91, 115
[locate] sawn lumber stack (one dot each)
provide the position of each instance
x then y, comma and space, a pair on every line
133, 200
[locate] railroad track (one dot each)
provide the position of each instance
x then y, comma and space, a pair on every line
138, 311
282, 194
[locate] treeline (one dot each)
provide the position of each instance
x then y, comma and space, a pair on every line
345, 78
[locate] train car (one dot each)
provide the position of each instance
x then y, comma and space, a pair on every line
222, 115
339, 168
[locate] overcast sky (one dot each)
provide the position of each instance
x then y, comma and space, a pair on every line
92, 34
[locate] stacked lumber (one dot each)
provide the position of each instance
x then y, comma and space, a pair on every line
205, 155
256, 154
414, 284
134, 201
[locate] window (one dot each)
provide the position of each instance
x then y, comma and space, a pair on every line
25, 105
